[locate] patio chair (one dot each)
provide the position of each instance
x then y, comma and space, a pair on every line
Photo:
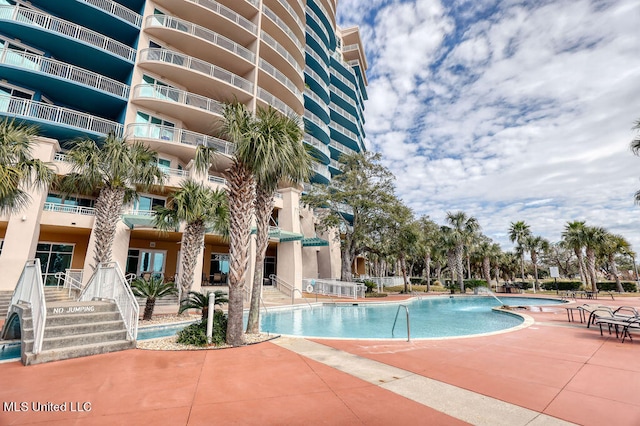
621, 326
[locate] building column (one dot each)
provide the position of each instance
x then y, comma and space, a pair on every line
120, 251
23, 228
289, 265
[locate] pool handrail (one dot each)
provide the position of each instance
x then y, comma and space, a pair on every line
408, 323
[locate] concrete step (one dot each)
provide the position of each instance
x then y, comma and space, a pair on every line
84, 328
164, 301
57, 320
77, 308
76, 352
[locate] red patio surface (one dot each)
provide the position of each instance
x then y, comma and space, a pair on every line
554, 367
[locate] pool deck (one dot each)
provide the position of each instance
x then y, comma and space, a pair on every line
553, 372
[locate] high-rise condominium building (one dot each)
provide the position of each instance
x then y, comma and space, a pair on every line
158, 72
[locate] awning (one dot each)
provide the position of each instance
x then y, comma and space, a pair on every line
132, 220
314, 242
280, 235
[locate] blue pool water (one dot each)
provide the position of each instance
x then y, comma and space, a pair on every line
11, 351
429, 317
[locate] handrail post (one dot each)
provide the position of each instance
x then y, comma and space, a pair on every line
408, 323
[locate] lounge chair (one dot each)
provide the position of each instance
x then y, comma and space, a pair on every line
621, 325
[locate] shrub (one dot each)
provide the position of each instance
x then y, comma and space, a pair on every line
475, 283
375, 294
370, 285
417, 280
196, 333
562, 285
629, 286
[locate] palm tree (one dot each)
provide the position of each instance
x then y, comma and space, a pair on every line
594, 239
116, 169
518, 232
535, 245
488, 251
463, 228
19, 171
237, 127
199, 207
613, 245
635, 147
151, 289
428, 237
279, 156
573, 238
200, 301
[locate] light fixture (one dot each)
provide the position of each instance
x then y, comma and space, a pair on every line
24, 218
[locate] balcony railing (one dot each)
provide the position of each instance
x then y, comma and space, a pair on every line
317, 19
27, 108
283, 26
281, 50
64, 208
341, 78
229, 14
317, 99
175, 135
174, 172
217, 179
338, 128
315, 120
65, 71
171, 94
342, 148
278, 75
316, 77
309, 51
171, 57
117, 10
310, 140
293, 14
276, 103
69, 29
322, 170
201, 33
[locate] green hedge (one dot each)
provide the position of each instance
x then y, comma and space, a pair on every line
629, 286
475, 283
562, 285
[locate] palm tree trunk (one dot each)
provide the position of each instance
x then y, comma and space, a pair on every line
148, 308
614, 269
522, 266
459, 252
347, 259
581, 267
241, 196
427, 262
591, 265
263, 208
403, 268
108, 207
534, 260
192, 243
486, 268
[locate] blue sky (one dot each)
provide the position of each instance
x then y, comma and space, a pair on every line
507, 110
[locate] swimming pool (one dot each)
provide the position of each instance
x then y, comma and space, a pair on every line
432, 317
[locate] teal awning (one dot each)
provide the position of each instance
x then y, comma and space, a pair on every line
314, 242
132, 220
282, 236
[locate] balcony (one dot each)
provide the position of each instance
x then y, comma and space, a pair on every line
282, 57
161, 138
201, 42
57, 122
322, 149
341, 149
104, 16
276, 103
322, 172
276, 75
83, 89
68, 42
202, 76
275, 25
139, 218
195, 111
67, 215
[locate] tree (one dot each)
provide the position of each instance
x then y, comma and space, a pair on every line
237, 128
635, 147
354, 203
403, 233
199, 207
573, 238
518, 232
535, 245
151, 289
200, 301
279, 156
19, 171
489, 252
427, 241
116, 170
462, 230
594, 238
613, 245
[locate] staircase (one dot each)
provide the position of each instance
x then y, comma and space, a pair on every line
76, 329
273, 296
5, 300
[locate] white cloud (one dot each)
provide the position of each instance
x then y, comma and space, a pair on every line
507, 110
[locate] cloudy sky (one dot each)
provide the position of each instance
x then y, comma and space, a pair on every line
508, 110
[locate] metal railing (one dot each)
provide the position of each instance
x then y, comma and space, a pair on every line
203, 33
64, 208
321, 169
408, 323
314, 142
71, 279
116, 9
168, 171
196, 65
336, 288
276, 103
66, 28
176, 135
27, 108
31, 61
283, 26
281, 77
228, 13
281, 50
30, 290
383, 282
217, 179
108, 282
342, 148
287, 289
171, 94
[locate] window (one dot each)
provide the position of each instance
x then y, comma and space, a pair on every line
8, 101
153, 127
147, 203
54, 258
269, 269
69, 201
219, 268
144, 261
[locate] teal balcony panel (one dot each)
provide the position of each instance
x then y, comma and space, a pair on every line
345, 123
317, 87
103, 16
71, 86
312, 63
320, 151
68, 42
324, 18
311, 104
344, 139
57, 122
314, 26
135, 5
